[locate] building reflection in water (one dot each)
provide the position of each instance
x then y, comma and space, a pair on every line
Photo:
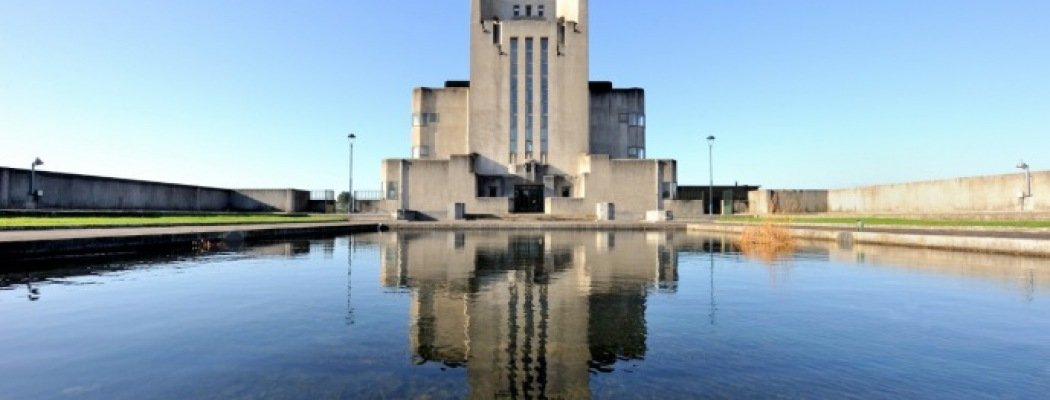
529, 314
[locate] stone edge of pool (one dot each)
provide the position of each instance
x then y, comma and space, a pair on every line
1026, 243
22, 244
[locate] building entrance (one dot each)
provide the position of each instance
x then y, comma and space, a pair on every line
528, 198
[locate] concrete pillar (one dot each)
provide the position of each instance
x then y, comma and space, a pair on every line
457, 211
605, 211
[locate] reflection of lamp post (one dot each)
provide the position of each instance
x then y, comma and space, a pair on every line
1027, 177
712, 254
32, 177
351, 204
711, 171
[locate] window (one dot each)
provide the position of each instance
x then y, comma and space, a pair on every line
528, 11
517, 10
544, 96
529, 99
424, 119
391, 190
539, 11
636, 152
513, 97
632, 119
496, 31
420, 151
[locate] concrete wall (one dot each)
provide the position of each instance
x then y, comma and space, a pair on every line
996, 193
609, 133
64, 191
787, 201
270, 200
685, 209
447, 135
568, 207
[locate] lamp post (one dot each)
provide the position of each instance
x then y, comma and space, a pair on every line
711, 171
352, 204
1028, 178
32, 176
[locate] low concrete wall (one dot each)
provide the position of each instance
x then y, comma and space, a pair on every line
64, 191
569, 207
997, 193
768, 201
489, 206
270, 200
685, 209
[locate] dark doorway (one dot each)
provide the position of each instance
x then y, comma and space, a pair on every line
528, 198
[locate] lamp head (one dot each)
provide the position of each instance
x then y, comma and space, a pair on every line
37, 162
1022, 165
351, 137
710, 140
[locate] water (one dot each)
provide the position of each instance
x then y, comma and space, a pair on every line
504, 315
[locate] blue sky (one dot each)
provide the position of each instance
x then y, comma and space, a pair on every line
801, 94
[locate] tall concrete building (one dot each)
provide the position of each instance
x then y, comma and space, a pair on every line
529, 133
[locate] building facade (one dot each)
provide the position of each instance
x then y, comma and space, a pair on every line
529, 133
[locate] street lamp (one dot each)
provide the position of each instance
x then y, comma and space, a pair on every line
711, 170
352, 204
1028, 178
32, 177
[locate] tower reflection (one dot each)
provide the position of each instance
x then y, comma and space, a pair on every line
529, 314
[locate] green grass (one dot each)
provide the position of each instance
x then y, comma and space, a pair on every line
889, 221
31, 222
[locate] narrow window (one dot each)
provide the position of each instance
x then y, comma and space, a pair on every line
419, 119
513, 96
539, 11
496, 32
517, 10
528, 96
544, 96
528, 10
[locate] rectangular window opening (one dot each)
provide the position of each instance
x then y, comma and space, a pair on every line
528, 10
539, 11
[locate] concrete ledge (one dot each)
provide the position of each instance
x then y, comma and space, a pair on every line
21, 245
538, 225
1002, 242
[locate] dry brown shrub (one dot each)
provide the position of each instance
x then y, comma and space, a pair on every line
767, 241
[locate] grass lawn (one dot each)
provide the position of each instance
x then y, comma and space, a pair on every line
889, 221
29, 222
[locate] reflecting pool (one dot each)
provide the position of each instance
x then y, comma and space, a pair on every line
529, 314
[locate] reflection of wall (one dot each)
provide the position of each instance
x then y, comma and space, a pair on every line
528, 312
1024, 273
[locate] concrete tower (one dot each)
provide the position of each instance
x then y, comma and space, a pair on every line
528, 133
529, 99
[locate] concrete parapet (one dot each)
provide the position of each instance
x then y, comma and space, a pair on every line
567, 207
996, 193
657, 216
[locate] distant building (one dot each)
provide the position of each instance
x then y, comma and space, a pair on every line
529, 133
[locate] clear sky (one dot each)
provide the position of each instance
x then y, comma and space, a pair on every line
801, 94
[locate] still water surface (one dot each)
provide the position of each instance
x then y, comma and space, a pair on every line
526, 315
